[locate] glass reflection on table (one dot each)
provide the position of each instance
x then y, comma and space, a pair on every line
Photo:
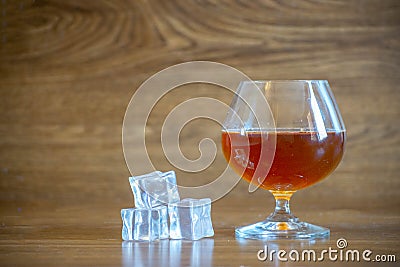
168, 253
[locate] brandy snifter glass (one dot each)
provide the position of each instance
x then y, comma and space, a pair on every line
283, 136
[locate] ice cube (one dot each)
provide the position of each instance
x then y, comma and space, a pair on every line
145, 224
154, 189
190, 219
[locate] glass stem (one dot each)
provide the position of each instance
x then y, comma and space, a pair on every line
282, 211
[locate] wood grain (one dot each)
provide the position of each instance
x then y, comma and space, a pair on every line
69, 68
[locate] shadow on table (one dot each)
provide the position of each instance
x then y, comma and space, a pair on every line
168, 253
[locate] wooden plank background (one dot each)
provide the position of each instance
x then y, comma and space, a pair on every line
69, 68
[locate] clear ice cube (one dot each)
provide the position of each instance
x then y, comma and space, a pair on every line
145, 224
190, 219
154, 189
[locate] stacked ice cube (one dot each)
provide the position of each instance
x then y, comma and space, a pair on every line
190, 219
157, 198
145, 224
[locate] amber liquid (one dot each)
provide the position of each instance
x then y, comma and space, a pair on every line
301, 158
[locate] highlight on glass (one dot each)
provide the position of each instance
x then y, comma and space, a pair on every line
283, 136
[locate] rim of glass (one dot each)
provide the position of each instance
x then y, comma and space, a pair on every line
265, 81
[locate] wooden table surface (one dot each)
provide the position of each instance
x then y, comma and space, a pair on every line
69, 68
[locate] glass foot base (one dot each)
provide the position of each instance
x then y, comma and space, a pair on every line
282, 230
